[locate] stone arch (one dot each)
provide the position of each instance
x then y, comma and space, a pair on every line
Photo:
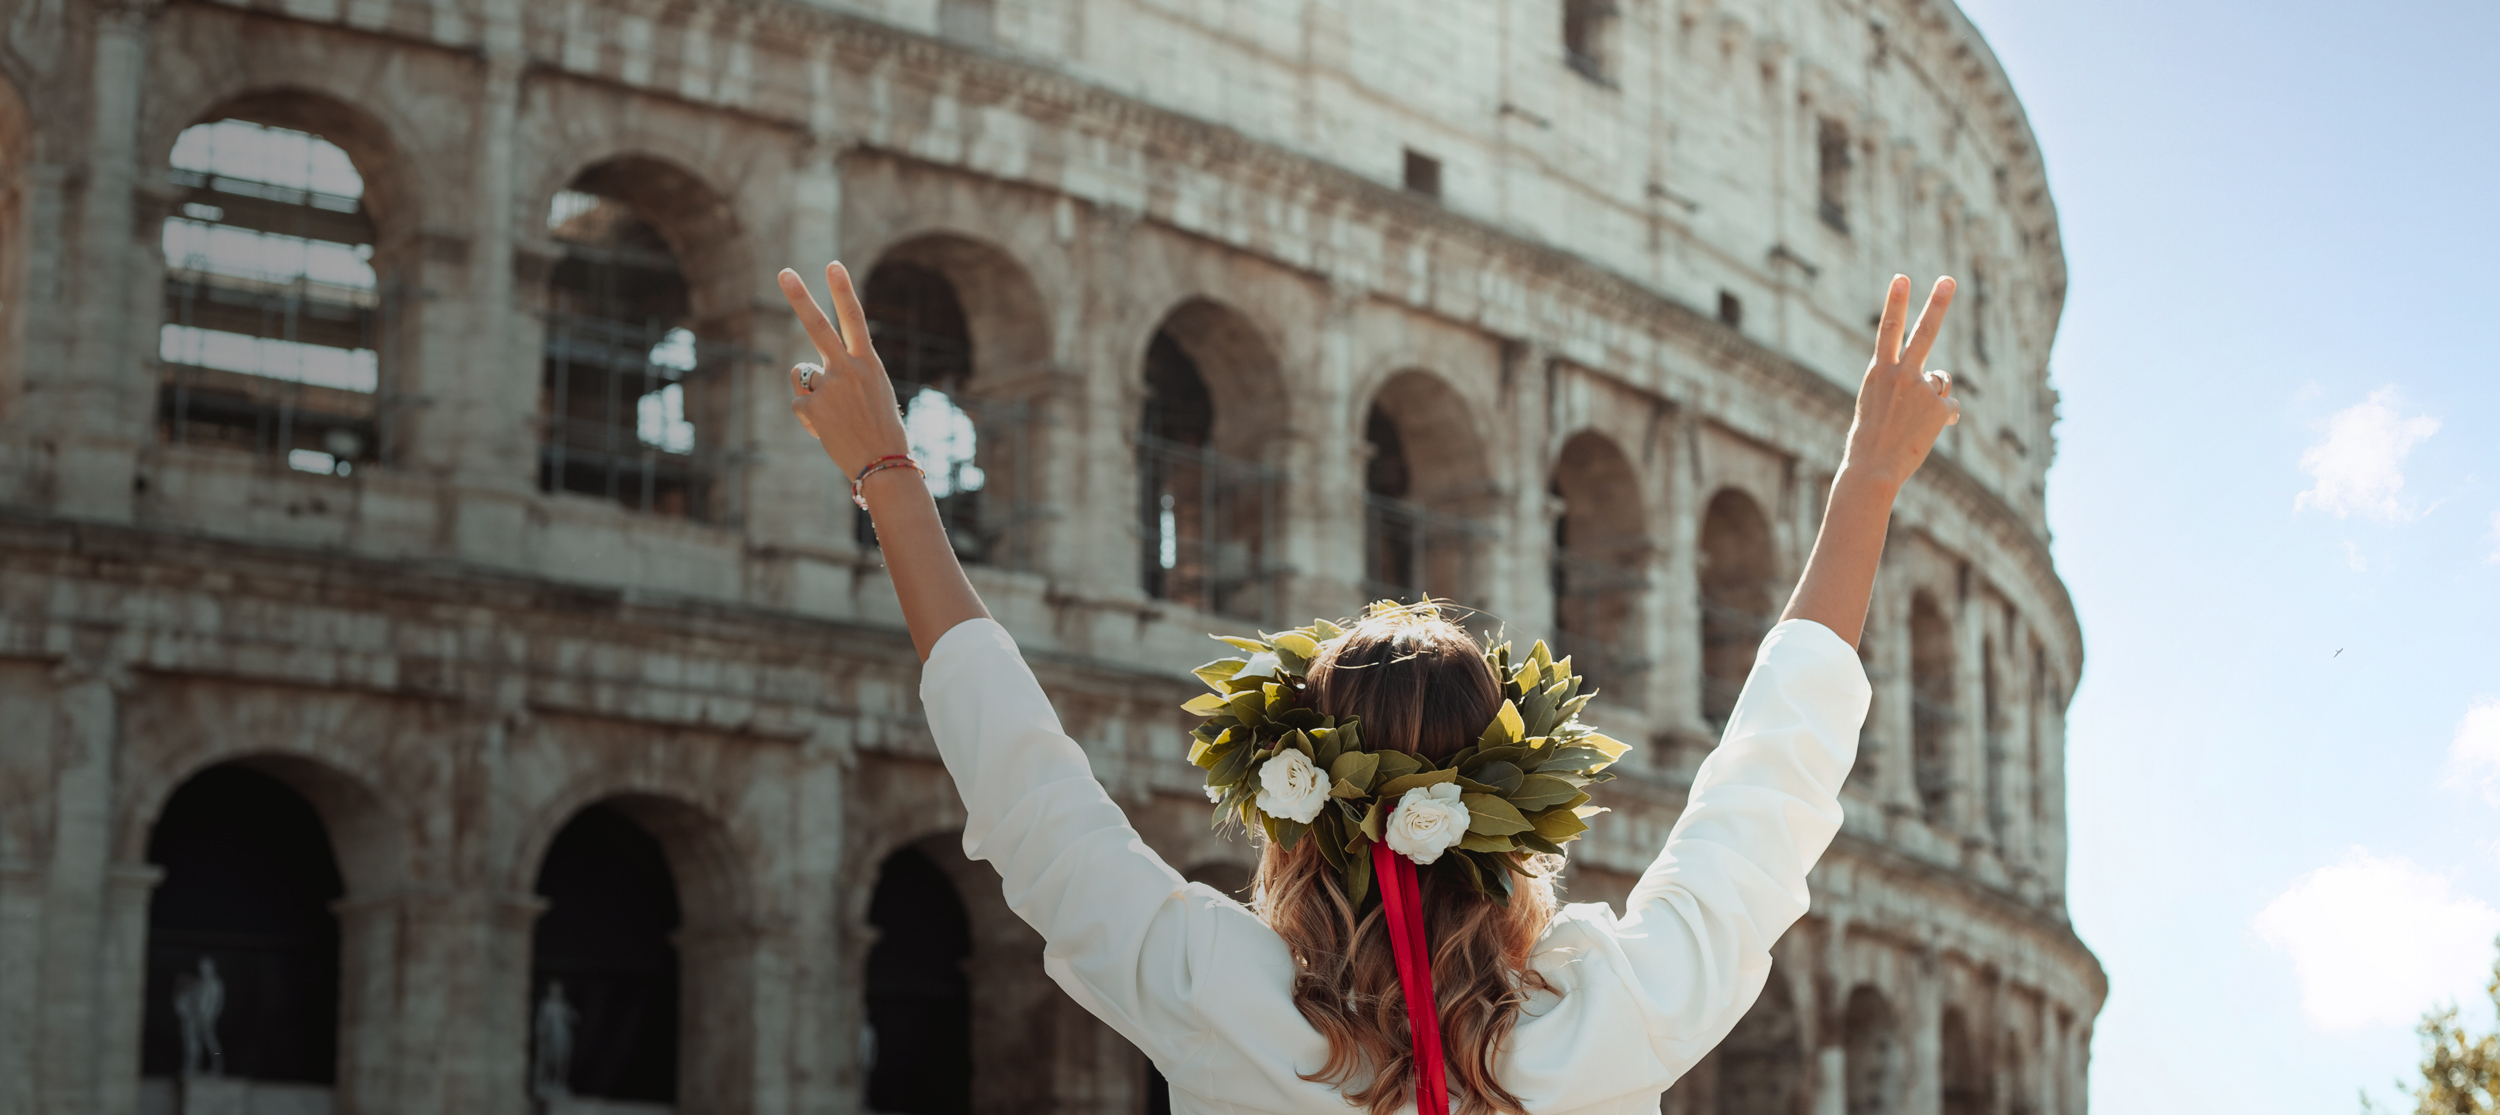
1935, 718
918, 1041
366, 835
1736, 563
266, 860
1875, 1065
1426, 478
1208, 504
647, 298
286, 249
1004, 314
661, 927
1762, 1062
1014, 1007
962, 328
1599, 566
1960, 1070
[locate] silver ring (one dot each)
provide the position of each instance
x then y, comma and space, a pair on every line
807, 376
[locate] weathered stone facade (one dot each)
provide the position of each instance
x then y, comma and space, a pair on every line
1595, 277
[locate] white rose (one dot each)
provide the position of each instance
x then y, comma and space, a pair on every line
1290, 788
1429, 819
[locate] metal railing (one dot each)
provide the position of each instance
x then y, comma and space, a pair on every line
1596, 614
627, 413
322, 414
976, 456
1205, 521
1411, 552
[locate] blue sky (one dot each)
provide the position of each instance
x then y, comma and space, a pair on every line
2277, 502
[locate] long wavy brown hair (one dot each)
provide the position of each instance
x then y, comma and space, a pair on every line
1420, 685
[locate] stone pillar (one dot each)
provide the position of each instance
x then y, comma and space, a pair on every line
78, 1069
1922, 1035
1676, 621
479, 428
102, 393
795, 499
1322, 525
1521, 445
369, 1016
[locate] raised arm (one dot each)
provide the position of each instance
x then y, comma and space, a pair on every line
850, 409
1901, 409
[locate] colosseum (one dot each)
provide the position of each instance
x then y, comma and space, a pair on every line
436, 676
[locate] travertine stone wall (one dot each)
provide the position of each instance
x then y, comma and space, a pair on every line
448, 663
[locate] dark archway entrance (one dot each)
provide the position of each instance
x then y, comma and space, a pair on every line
612, 909
249, 883
919, 997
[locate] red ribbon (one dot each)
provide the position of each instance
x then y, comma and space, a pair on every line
1403, 904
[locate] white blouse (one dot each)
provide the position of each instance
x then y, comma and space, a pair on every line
1204, 987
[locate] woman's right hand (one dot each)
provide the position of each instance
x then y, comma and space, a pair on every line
850, 406
1902, 406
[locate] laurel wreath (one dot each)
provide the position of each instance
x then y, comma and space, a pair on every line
1524, 782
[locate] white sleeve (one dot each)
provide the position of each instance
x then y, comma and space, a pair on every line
1695, 940
1124, 934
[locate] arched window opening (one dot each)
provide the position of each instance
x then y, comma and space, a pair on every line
919, 1040
243, 950
632, 413
1424, 476
2037, 805
1992, 744
1736, 606
1960, 1068
1204, 516
918, 326
1934, 716
275, 317
603, 964
1597, 571
1873, 1067
1762, 1061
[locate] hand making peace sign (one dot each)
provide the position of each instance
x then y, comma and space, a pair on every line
1901, 406
847, 402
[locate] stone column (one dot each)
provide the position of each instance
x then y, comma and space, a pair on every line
102, 394
1676, 622
368, 1011
1322, 522
1923, 1033
478, 424
794, 498
86, 1041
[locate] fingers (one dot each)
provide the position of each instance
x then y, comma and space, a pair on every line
798, 385
846, 306
1940, 382
1930, 323
811, 316
1952, 411
1896, 318
799, 407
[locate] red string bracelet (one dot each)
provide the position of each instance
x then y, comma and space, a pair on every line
890, 460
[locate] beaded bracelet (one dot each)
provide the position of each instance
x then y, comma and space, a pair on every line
890, 460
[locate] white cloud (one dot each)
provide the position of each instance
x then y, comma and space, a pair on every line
2474, 755
2354, 558
2359, 467
2375, 942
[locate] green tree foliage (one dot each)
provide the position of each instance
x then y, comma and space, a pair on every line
2460, 1069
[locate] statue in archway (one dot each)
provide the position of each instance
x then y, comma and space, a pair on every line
199, 997
552, 1069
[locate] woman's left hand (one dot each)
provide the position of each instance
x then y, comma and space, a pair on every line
848, 404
